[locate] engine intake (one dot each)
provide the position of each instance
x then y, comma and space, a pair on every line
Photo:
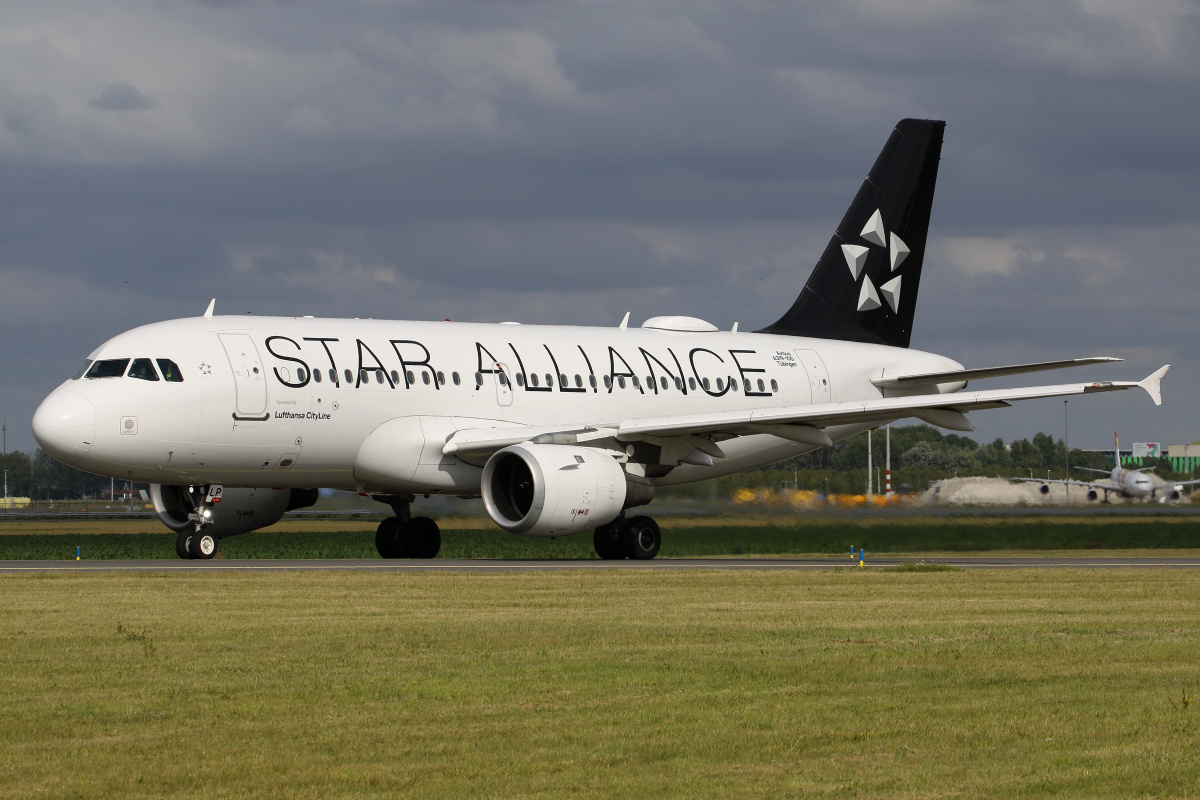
240, 510
555, 490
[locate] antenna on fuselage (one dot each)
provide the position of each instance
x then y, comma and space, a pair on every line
211, 305
625, 322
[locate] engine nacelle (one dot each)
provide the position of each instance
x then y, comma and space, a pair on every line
240, 510
1092, 494
554, 489
1044, 489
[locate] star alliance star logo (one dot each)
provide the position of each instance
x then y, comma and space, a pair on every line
205, 369
856, 258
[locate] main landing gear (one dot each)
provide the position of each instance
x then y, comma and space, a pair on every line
637, 537
406, 536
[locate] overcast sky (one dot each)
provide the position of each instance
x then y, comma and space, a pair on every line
564, 162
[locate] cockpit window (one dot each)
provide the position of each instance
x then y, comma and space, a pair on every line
87, 362
143, 370
108, 368
170, 372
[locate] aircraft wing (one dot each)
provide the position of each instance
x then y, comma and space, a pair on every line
1092, 469
953, 376
1088, 484
797, 423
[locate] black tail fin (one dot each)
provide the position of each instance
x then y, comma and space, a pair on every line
864, 288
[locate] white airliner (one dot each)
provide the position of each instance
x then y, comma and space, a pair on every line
560, 429
1131, 484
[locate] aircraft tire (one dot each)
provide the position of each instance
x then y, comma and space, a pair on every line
202, 545
387, 538
183, 540
422, 538
641, 538
607, 541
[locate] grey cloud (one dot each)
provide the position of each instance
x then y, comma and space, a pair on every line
567, 163
121, 97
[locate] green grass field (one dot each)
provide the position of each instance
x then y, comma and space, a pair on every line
132, 539
626, 683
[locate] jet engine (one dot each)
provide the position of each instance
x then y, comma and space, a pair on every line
1092, 494
1171, 495
1044, 489
555, 490
240, 510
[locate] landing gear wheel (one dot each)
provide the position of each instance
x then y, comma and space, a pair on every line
641, 538
388, 540
422, 538
607, 540
183, 541
202, 545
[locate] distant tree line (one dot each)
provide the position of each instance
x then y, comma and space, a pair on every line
42, 477
921, 454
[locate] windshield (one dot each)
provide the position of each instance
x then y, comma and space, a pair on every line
108, 368
142, 369
170, 371
87, 362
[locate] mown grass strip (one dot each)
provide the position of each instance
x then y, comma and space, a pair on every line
623, 683
813, 537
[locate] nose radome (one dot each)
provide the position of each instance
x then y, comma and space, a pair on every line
65, 425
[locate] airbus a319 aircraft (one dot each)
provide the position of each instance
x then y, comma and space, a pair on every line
561, 429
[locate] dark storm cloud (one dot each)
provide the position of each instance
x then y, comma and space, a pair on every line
121, 97
553, 162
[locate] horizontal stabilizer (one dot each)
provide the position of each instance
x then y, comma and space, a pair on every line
1153, 384
954, 376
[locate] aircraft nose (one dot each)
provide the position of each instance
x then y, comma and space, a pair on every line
65, 425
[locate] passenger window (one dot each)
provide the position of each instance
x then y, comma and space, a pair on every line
592, 381
412, 379
636, 385
395, 377
761, 386
82, 369
704, 383
441, 376
379, 376
549, 379
533, 379
679, 384
108, 368
774, 385
663, 381
170, 371
520, 379
621, 381
607, 382
720, 385
562, 381
317, 375
333, 376
454, 377
479, 379
143, 370
692, 384
363, 377
424, 377
349, 375
578, 381
503, 379
746, 385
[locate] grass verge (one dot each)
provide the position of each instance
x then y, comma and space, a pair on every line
840, 684
334, 539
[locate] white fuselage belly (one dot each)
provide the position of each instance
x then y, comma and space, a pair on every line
294, 431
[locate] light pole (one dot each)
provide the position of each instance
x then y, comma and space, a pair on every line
4, 428
870, 494
1066, 453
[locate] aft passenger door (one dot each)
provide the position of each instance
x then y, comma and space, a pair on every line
248, 376
818, 375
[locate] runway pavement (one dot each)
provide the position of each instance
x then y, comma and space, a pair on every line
498, 566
